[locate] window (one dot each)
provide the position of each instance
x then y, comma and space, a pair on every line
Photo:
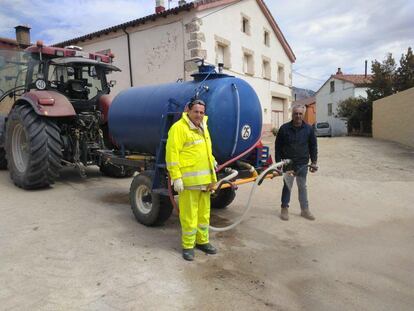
281, 74
322, 125
266, 38
332, 86
223, 51
266, 69
245, 26
220, 53
329, 109
248, 64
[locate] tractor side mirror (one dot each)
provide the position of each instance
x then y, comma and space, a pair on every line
112, 83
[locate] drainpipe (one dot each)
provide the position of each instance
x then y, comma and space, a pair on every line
129, 57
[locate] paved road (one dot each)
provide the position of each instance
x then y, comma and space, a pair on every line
77, 246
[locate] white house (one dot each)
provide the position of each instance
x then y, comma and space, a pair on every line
337, 88
242, 34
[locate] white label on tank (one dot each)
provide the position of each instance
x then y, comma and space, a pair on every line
246, 131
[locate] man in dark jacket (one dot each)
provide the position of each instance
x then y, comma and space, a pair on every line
296, 141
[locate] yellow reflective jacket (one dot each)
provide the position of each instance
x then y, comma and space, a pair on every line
189, 154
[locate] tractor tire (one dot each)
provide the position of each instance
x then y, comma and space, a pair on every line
3, 161
116, 171
223, 198
33, 149
150, 209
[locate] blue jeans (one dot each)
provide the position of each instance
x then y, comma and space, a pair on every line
300, 175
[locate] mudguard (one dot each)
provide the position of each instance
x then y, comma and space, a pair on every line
48, 103
105, 102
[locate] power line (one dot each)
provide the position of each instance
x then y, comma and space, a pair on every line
307, 77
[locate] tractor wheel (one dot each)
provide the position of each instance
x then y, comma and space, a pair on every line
33, 149
223, 198
116, 171
3, 161
150, 209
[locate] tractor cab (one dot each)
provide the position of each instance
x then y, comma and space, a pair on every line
78, 75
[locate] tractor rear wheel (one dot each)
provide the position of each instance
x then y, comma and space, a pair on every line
223, 198
33, 148
149, 208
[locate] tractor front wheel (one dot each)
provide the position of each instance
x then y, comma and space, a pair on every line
33, 148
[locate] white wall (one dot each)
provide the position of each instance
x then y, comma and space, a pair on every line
360, 92
157, 54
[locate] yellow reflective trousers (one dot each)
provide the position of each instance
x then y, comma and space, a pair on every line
194, 217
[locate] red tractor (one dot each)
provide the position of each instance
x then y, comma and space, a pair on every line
58, 114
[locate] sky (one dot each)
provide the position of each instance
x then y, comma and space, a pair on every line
323, 34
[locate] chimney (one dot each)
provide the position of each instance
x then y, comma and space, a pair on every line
366, 68
339, 72
181, 2
159, 6
23, 35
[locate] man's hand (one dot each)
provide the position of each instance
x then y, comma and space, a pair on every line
210, 187
178, 185
313, 168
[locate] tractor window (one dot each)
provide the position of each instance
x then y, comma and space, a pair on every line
76, 82
94, 81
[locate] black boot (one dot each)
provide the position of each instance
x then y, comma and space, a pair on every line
188, 254
207, 248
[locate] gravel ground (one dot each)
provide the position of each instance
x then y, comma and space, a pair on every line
77, 245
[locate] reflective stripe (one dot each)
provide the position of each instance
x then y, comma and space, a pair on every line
190, 232
203, 227
202, 188
172, 164
195, 142
197, 173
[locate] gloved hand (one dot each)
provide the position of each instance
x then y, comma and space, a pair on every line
313, 167
210, 187
178, 185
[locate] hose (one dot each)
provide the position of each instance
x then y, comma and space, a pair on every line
259, 180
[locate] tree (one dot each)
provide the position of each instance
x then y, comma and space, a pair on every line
404, 77
358, 112
383, 79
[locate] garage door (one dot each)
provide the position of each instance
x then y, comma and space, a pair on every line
277, 111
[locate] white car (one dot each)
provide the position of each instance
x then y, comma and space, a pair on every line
323, 129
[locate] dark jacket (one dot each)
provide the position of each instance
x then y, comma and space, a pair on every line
296, 143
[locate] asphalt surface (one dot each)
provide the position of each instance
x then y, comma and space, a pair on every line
77, 246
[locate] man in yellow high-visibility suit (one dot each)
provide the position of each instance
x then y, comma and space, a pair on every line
191, 164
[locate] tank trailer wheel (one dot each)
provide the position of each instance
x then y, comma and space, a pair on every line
150, 209
223, 198
33, 149
3, 161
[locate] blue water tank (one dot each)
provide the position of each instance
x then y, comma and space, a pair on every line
233, 108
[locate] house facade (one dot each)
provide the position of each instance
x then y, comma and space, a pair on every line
336, 89
241, 34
